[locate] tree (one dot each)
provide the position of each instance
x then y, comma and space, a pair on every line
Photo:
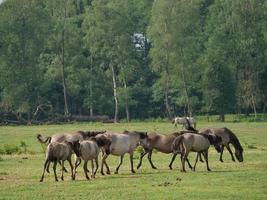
109, 35
24, 30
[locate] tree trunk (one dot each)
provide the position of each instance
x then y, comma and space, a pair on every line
66, 107
115, 94
222, 117
167, 86
91, 87
167, 104
126, 101
189, 110
254, 105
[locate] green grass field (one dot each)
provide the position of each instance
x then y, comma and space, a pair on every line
20, 172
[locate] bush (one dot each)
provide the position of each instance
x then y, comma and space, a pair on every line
10, 149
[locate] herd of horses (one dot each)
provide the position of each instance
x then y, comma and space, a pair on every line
87, 145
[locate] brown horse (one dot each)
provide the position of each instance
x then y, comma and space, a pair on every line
228, 137
121, 143
199, 143
161, 143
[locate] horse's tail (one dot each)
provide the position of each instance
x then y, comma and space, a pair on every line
233, 139
176, 145
43, 140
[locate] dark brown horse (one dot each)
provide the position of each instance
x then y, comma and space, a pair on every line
228, 137
160, 142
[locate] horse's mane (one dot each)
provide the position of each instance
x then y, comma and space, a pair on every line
234, 140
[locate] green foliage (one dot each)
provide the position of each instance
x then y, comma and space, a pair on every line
170, 58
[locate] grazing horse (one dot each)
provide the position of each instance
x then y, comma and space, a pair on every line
161, 143
185, 121
199, 143
228, 137
121, 143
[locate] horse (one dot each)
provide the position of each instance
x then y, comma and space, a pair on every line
185, 121
89, 150
59, 151
161, 143
70, 137
199, 143
121, 143
67, 137
228, 137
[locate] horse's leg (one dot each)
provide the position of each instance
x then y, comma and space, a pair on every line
172, 160
47, 168
183, 157
205, 153
194, 168
92, 173
230, 151
131, 160
141, 158
103, 162
96, 163
71, 167
85, 169
150, 159
222, 148
118, 167
55, 168
188, 163
78, 162
47, 162
200, 158
62, 172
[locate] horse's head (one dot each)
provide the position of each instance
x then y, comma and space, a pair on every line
75, 145
102, 140
214, 140
239, 154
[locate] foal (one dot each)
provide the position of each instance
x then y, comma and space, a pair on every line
199, 143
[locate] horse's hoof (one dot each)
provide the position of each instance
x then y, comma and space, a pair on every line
209, 170
201, 161
133, 171
183, 171
233, 160
221, 160
170, 167
108, 172
41, 180
154, 167
102, 173
62, 178
116, 172
56, 180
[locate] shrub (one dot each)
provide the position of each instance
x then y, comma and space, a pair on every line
10, 149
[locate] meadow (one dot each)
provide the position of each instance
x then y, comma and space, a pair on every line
22, 158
